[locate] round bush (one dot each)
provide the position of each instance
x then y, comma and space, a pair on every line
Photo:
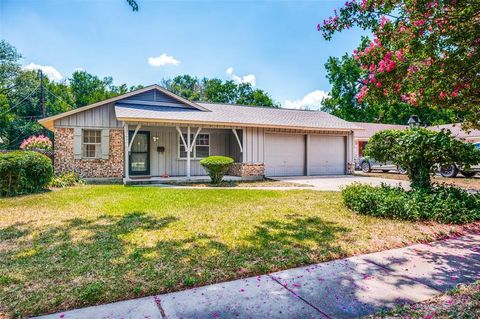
217, 167
442, 203
23, 172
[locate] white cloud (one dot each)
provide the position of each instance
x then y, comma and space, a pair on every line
312, 100
163, 60
49, 71
249, 78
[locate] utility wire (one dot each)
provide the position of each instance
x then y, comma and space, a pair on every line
61, 99
14, 106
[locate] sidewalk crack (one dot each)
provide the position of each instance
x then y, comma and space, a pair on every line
299, 297
159, 306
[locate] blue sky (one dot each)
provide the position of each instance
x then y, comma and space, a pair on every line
273, 43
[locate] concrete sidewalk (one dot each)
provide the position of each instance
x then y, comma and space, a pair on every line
346, 288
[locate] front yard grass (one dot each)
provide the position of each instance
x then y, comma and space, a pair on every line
461, 302
93, 244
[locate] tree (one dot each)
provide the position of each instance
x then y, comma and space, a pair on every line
217, 91
20, 100
424, 52
346, 77
9, 66
419, 151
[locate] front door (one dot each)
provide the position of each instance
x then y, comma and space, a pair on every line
139, 158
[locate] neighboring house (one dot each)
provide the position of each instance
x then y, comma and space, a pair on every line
152, 132
361, 137
471, 136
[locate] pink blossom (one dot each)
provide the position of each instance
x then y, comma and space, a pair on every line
37, 142
383, 21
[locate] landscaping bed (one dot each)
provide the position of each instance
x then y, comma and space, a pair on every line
246, 184
93, 244
460, 181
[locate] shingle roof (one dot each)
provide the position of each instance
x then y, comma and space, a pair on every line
236, 114
371, 128
457, 130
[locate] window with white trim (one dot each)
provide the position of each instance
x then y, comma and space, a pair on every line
92, 144
201, 149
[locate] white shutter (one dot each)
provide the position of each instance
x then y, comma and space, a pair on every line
105, 143
77, 143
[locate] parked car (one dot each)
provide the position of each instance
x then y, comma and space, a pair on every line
368, 164
452, 170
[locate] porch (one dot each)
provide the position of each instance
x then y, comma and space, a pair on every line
168, 152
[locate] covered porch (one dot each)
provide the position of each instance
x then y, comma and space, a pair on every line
171, 152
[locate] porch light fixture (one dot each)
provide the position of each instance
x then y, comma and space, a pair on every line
155, 138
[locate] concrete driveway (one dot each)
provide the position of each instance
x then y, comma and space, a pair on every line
336, 183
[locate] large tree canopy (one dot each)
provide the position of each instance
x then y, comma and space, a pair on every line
425, 52
346, 77
215, 90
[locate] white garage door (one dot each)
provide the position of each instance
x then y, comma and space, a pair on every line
284, 155
327, 155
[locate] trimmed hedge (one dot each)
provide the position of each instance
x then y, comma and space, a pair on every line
443, 204
217, 167
23, 172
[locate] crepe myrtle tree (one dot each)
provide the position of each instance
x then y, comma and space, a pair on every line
420, 151
425, 53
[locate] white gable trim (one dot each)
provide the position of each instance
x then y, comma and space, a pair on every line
49, 121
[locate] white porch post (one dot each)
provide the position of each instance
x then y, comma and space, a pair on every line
189, 151
126, 150
238, 139
133, 137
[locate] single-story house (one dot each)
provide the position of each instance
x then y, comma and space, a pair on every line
152, 132
369, 129
471, 136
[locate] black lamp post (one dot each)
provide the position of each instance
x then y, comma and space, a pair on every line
413, 121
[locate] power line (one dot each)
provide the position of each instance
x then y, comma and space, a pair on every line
14, 106
58, 97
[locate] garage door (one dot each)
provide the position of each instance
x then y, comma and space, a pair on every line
284, 155
327, 155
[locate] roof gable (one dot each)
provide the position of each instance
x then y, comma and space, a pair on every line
151, 94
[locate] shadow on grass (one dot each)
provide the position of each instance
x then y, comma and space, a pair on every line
85, 262
91, 261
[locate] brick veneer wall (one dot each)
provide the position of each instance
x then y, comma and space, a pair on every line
247, 170
65, 162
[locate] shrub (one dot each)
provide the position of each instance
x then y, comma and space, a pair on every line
24, 172
217, 167
443, 204
419, 151
66, 180
40, 142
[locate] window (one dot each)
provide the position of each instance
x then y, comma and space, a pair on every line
201, 149
92, 144
361, 147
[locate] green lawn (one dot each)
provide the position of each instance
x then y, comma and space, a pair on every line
94, 244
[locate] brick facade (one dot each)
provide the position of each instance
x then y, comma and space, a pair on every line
247, 170
65, 162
